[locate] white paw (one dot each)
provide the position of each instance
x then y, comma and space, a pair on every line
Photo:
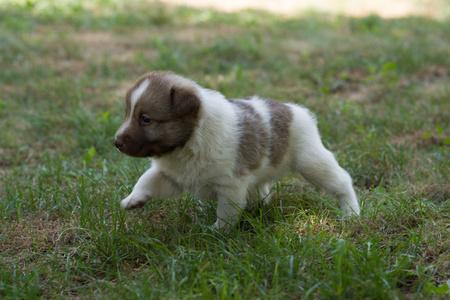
216, 225
131, 202
267, 198
223, 226
124, 203
351, 211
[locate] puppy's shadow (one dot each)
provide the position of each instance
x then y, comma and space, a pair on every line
256, 217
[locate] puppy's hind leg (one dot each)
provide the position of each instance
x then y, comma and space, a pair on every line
260, 193
265, 193
319, 166
152, 184
230, 203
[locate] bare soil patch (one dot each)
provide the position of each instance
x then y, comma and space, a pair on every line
38, 234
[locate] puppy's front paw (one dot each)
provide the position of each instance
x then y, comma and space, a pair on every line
131, 202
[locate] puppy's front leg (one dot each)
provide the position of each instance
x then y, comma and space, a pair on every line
152, 184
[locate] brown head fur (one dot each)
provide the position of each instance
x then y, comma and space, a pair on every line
163, 117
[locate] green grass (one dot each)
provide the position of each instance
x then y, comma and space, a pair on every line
380, 89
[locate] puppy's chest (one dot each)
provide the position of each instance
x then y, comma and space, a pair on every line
195, 171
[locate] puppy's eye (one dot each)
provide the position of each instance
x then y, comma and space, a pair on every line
145, 120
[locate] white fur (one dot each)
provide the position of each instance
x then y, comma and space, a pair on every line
137, 93
135, 96
205, 165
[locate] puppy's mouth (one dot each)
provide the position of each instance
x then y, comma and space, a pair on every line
124, 148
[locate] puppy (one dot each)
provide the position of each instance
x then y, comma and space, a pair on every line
228, 150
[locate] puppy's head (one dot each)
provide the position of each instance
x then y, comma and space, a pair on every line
161, 114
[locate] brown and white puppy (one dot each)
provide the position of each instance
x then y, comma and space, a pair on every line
228, 150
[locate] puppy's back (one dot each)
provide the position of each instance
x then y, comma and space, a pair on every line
263, 133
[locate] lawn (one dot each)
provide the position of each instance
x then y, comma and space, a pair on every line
380, 89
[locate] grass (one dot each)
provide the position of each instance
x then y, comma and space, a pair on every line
379, 87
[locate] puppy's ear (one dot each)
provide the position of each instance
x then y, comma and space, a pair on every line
184, 102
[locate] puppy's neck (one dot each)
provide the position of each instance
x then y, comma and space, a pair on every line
214, 132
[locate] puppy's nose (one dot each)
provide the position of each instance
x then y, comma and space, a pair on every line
119, 143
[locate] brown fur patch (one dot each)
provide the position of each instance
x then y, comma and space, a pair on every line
253, 137
280, 121
184, 102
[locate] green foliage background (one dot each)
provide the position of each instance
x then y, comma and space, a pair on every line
380, 90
